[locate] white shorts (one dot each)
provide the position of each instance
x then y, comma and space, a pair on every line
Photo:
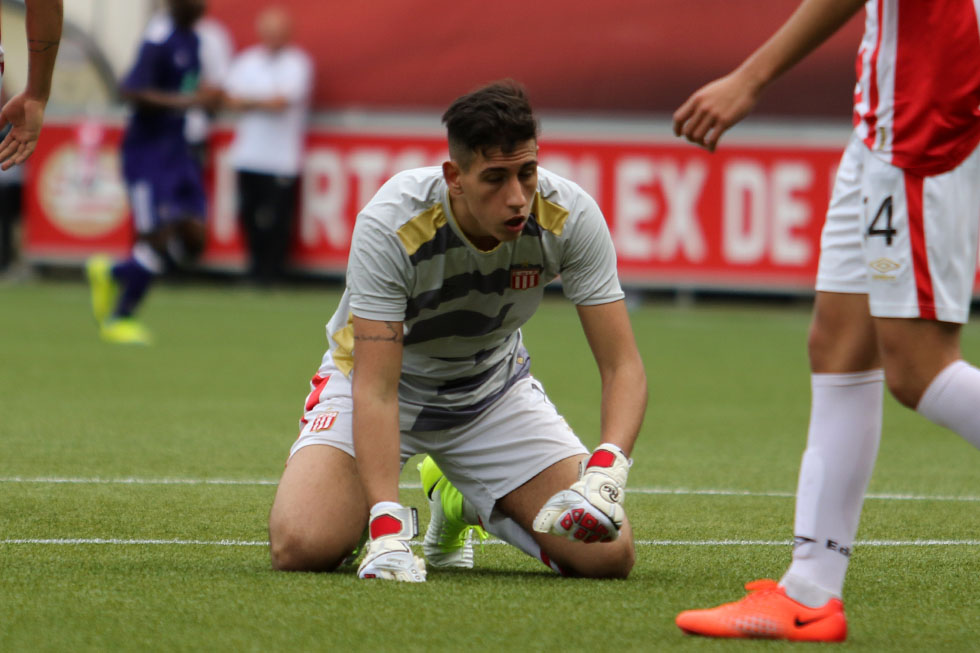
908, 242
512, 441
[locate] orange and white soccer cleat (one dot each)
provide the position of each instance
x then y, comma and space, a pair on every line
767, 612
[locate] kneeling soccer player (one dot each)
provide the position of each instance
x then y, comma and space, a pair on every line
426, 356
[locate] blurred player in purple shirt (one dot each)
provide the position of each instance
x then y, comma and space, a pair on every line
164, 180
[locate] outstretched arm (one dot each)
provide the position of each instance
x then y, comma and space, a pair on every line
715, 107
25, 112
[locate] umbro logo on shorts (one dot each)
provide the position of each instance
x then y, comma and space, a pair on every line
323, 421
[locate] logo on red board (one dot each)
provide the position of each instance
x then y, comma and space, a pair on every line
323, 421
524, 277
80, 188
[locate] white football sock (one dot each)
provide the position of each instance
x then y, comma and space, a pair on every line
514, 534
842, 444
146, 256
951, 400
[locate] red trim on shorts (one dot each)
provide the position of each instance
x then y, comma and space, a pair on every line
871, 116
319, 383
917, 238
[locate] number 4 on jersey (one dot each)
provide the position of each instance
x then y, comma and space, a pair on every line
887, 231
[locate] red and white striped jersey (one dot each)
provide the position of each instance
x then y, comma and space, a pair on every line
917, 99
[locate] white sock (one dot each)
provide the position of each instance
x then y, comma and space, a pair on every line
513, 533
146, 256
952, 398
842, 444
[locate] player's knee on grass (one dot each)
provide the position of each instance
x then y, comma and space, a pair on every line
291, 550
607, 560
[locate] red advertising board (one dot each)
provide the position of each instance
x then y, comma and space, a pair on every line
745, 217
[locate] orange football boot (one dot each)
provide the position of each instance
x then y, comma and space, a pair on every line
768, 613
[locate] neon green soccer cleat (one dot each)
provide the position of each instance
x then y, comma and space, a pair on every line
103, 287
125, 331
449, 538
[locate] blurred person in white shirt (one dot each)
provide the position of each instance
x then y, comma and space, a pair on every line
269, 85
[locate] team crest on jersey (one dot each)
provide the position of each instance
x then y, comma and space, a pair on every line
323, 421
524, 277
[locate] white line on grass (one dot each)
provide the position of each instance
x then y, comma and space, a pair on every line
137, 481
100, 540
417, 486
790, 495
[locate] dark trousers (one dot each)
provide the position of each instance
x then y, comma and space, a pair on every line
10, 201
266, 212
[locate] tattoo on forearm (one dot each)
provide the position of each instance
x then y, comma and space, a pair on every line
396, 335
36, 45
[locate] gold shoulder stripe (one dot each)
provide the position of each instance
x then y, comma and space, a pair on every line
422, 228
550, 216
343, 355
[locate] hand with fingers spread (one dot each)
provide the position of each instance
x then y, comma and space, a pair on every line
24, 116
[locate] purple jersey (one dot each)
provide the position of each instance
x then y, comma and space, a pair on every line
169, 61
163, 177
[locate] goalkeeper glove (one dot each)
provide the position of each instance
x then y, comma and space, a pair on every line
388, 554
592, 509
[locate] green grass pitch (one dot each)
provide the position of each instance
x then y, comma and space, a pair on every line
135, 485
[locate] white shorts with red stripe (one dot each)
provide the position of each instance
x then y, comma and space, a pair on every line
908, 242
512, 441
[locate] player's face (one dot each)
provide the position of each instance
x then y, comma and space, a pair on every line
491, 199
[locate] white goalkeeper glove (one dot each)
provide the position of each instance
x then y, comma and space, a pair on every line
592, 509
388, 554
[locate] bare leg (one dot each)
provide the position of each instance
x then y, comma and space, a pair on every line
914, 353
319, 512
599, 560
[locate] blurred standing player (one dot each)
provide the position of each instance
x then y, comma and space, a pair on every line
426, 355
164, 179
23, 114
898, 259
270, 85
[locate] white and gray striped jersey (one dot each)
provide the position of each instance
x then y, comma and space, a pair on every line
462, 308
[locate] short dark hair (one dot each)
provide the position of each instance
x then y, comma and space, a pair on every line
498, 115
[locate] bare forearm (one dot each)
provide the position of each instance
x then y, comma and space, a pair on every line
160, 99
624, 402
376, 447
813, 22
44, 20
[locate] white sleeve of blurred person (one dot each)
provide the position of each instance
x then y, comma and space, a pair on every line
216, 52
270, 84
24, 113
